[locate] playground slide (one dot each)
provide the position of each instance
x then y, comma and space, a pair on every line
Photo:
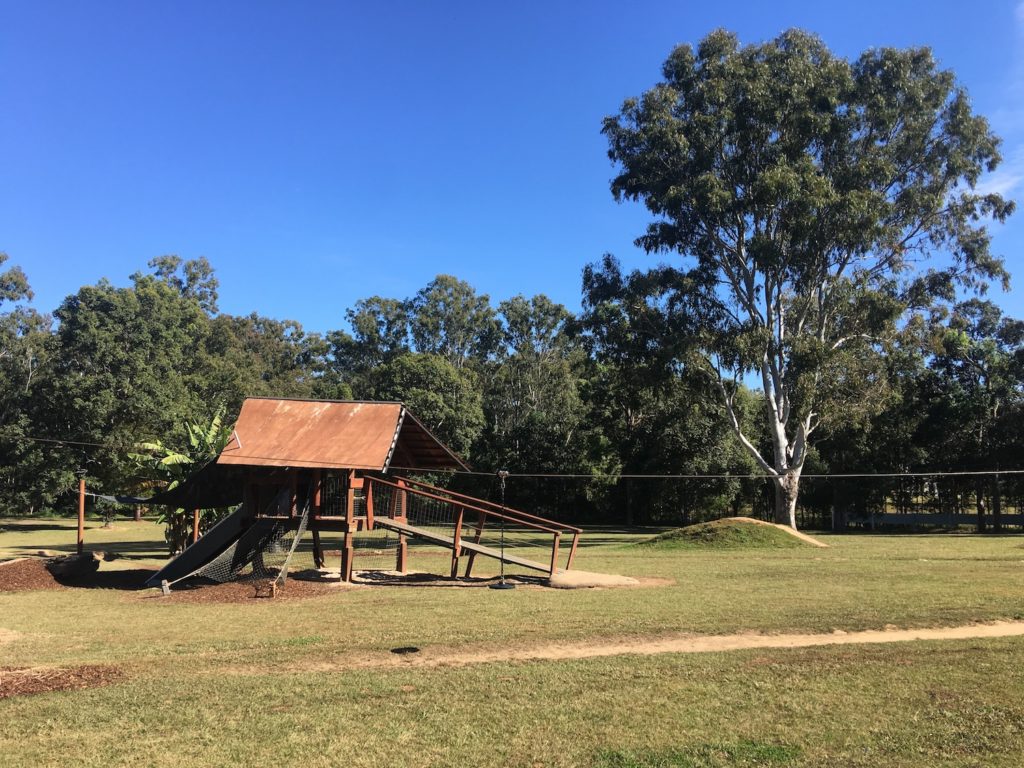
449, 542
215, 541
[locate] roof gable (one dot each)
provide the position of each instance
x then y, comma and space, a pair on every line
331, 434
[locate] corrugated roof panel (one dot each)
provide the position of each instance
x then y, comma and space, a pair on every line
330, 434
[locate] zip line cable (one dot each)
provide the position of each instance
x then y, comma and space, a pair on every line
605, 475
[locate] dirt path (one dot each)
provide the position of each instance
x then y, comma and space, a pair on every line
678, 644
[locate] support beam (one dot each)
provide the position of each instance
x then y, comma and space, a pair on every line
81, 514
457, 541
347, 548
318, 552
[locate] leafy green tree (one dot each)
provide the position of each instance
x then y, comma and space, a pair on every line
804, 190
448, 318
981, 355
121, 370
656, 412
445, 398
536, 417
193, 279
380, 333
258, 356
24, 338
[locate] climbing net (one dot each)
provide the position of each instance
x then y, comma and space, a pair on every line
263, 552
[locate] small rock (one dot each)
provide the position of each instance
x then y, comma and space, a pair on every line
75, 566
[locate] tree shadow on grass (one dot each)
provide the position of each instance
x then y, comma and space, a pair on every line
129, 579
15, 527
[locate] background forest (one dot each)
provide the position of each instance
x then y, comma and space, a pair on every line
521, 383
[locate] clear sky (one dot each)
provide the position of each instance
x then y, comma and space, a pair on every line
321, 152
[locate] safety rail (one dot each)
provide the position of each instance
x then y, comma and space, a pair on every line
511, 514
401, 491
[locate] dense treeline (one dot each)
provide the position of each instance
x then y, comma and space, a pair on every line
523, 384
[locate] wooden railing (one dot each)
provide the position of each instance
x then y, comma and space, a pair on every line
402, 490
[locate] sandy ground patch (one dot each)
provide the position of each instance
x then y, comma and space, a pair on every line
8, 635
786, 529
428, 657
586, 579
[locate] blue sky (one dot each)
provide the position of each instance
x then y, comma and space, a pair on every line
321, 152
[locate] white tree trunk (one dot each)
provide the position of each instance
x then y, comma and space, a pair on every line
786, 487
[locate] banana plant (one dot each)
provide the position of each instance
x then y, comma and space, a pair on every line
166, 467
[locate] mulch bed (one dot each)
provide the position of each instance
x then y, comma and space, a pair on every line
246, 592
22, 575
24, 682
32, 573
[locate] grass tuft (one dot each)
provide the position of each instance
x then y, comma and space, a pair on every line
700, 756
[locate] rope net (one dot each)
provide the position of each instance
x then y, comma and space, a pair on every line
265, 551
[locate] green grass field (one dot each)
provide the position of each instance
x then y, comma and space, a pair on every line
272, 682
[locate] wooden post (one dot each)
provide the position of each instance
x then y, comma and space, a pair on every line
317, 481
457, 542
477, 535
347, 546
554, 554
293, 482
572, 549
368, 495
195, 525
402, 557
81, 514
398, 511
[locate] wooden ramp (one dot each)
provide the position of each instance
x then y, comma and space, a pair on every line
464, 546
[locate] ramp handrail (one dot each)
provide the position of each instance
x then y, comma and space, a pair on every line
524, 518
484, 509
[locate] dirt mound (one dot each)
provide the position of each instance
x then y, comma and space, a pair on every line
734, 533
26, 574
27, 681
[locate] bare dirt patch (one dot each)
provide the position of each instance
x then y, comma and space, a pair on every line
28, 681
445, 657
246, 592
588, 580
8, 635
26, 574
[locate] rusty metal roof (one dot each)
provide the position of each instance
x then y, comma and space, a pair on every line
332, 434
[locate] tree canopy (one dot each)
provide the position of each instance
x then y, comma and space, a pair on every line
803, 192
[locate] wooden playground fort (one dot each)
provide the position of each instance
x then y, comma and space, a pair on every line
340, 471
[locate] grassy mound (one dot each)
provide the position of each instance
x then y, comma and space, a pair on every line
728, 533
